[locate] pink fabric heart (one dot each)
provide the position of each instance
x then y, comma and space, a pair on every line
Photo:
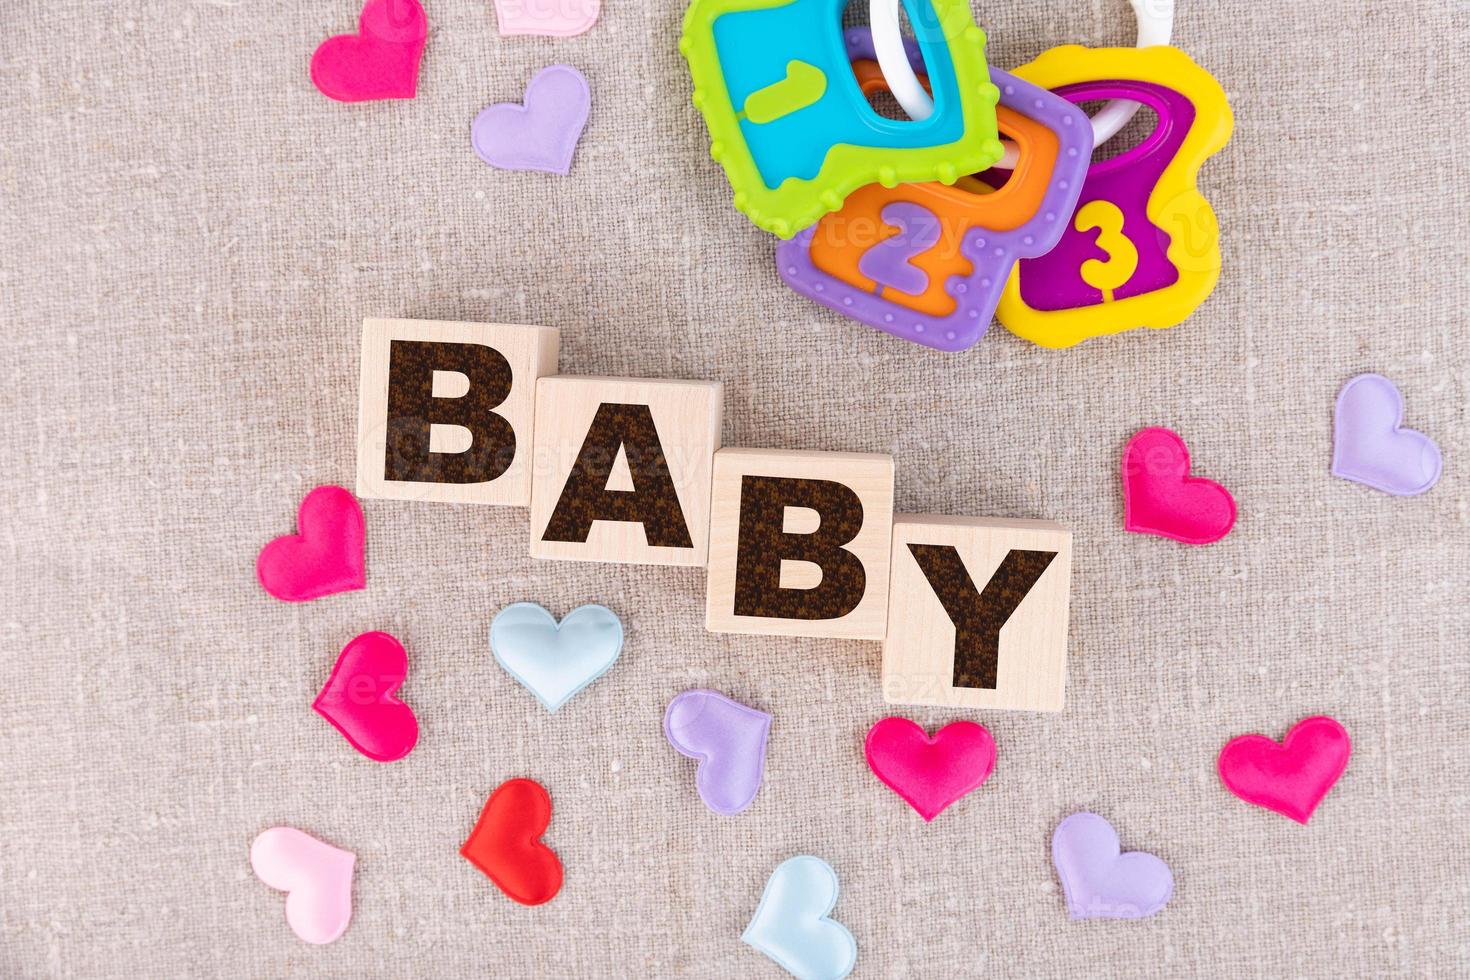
359, 701
553, 18
1290, 777
1160, 497
930, 773
316, 877
542, 134
380, 61
325, 557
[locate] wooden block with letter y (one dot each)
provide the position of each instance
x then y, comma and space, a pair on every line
623, 469
445, 409
977, 613
799, 543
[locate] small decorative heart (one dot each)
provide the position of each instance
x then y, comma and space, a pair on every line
1160, 497
729, 740
554, 661
553, 18
380, 61
506, 843
1371, 446
325, 557
542, 134
930, 773
316, 877
358, 698
792, 925
1098, 880
1290, 777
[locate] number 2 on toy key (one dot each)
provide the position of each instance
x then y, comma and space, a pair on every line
1122, 261
888, 262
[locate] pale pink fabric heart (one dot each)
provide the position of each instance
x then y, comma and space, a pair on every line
327, 555
316, 877
553, 18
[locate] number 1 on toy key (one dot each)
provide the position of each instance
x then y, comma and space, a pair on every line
889, 263
1113, 272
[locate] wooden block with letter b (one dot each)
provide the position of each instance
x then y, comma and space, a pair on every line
977, 613
800, 543
446, 410
623, 469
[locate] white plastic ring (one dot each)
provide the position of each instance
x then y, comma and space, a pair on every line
1155, 26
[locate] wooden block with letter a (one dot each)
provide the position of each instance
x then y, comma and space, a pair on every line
623, 469
799, 543
445, 409
977, 613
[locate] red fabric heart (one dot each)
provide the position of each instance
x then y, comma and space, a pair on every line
506, 843
358, 698
1160, 497
930, 773
1291, 777
380, 61
325, 557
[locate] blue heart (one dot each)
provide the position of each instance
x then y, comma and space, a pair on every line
791, 924
554, 661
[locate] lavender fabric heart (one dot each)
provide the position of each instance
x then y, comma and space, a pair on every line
541, 134
729, 740
1372, 447
1100, 882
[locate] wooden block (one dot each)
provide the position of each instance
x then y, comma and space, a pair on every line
623, 469
799, 543
445, 409
1007, 584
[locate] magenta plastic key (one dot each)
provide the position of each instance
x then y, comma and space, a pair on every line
1060, 279
1143, 247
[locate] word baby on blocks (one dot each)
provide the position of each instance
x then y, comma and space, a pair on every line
972, 612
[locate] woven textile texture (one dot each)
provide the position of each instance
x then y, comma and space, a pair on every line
193, 236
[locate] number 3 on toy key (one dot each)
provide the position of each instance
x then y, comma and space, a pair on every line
1113, 272
888, 263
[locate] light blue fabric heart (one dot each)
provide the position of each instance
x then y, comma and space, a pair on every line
791, 924
555, 661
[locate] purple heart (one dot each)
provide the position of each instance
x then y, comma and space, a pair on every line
1100, 882
1371, 445
542, 134
728, 739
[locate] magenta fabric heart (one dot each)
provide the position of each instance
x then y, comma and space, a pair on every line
542, 133
380, 61
325, 557
1371, 446
930, 773
1291, 776
1160, 497
1098, 880
359, 698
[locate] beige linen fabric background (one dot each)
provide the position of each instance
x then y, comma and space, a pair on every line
193, 237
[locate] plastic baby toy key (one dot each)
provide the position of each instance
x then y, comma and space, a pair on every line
927, 262
793, 130
1143, 248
